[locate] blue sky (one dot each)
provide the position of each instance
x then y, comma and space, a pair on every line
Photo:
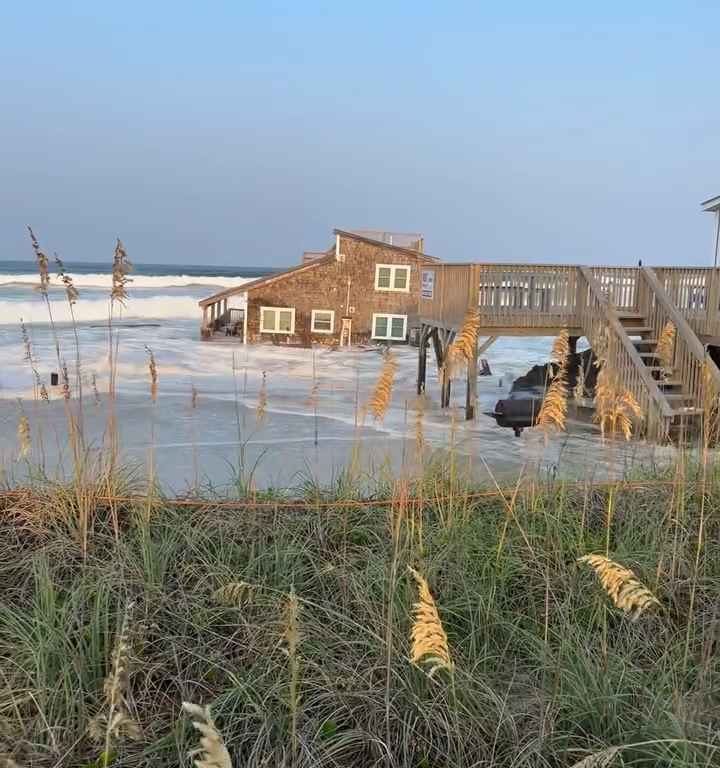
243, 132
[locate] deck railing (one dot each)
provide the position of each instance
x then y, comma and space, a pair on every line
695, 291
527, 296
619, 285
545, 295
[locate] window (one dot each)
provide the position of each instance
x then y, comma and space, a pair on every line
277, 320
392, 277
323, 321
390, 327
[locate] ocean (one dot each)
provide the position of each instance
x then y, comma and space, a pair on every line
222, 436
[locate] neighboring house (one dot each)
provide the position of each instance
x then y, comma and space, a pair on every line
362, 289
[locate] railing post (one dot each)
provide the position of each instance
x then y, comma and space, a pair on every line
580, 297
713, 302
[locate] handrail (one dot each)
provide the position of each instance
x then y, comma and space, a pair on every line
686, 340
613, 322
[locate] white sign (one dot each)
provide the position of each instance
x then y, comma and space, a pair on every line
428, 284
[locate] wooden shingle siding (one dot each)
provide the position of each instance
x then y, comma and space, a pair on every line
344, 286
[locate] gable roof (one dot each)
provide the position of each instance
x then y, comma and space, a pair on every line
329, 258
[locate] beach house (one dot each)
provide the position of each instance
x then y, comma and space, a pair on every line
366, 287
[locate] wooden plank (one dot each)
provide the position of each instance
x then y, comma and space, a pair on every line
486, 344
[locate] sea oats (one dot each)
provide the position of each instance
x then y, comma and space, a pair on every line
666, 347
553, 411
429, 643
212, 752
67, 394
598, 759
112, 724
27, 345
382, 394
42, 261
233, 593
24, 438
121, 268
70, 290
561, 348
616, 409
261, 408
621, 584
152, 370
465, 343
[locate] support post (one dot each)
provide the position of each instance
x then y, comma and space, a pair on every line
471, 394
572, 343
422, 360
447, 337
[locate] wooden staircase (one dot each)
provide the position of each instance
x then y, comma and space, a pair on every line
673, 398
684, 405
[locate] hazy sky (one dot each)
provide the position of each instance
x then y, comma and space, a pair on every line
243, 132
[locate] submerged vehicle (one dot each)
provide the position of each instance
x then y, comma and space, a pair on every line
517, 411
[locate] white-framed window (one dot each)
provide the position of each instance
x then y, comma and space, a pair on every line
389, 327
277, 320
322, 321
392, 277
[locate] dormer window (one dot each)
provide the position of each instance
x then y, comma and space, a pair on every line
392, 277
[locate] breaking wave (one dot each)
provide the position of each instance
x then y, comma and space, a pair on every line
99, 280
96, 310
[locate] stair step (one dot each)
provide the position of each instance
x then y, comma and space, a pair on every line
644, 342
688, 412
648, 355
623, 315
669, 383
678, 396
637, 330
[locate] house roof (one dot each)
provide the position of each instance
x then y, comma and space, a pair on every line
269, 279
712, 205
401, 249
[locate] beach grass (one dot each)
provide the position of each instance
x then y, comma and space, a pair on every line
318, 658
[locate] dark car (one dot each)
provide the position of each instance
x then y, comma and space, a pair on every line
519, 410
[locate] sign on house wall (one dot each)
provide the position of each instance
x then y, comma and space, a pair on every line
427, 285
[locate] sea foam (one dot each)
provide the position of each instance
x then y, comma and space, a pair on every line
96, 310
99, 280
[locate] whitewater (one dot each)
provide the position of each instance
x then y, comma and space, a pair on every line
208, 443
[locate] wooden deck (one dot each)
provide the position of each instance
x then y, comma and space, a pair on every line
623, 308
